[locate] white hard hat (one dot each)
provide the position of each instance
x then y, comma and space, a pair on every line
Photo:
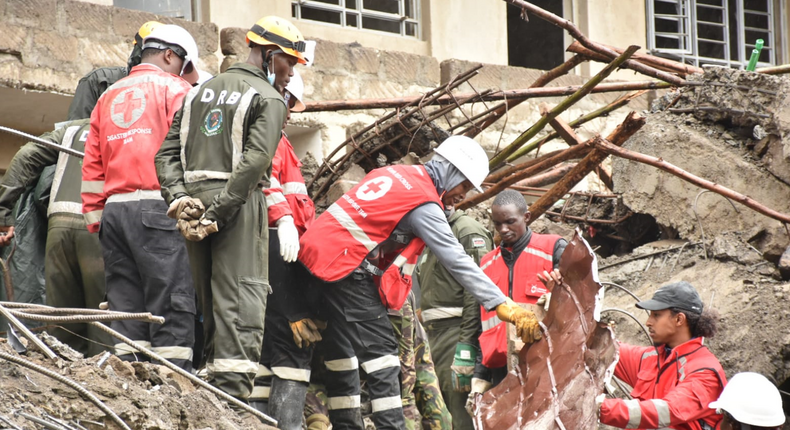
296, 88
467, 156
173, 35
751, 399
203, 76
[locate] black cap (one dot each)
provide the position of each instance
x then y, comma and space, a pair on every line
680, 295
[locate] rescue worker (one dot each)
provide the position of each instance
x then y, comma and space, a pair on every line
452, 315
146, 265
515, 266
211, 168
93, 85
290, 212
750, 402
675, 380
427, 393
74, 269
364, 247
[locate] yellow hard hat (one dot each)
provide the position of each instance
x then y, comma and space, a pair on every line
273, 30
145, 30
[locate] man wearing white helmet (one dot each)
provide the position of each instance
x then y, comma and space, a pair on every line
290, 330
365, 246
750, 402
146, 263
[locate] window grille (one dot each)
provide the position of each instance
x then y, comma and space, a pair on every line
719, 32
390, 16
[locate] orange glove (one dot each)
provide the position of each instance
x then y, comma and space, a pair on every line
306, 331
527, 326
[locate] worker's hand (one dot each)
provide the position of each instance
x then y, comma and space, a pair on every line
318, 422
544, 300
289, 238
479, 386
6, 234
306, 331
550, 279
104, 306
192, 208
463, 367
526, 323
196, 230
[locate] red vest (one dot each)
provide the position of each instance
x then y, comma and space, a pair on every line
338, 241
526, 288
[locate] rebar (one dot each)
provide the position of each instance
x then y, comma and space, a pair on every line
184, 373
630, 315
143, 316
77, 387
36, 341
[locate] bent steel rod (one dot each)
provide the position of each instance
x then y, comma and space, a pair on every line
44, 142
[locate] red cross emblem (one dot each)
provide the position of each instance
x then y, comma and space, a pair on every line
374, 188
127, 107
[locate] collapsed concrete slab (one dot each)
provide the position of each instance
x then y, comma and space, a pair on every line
558, 377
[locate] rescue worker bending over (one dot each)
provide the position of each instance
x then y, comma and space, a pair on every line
146, 264
74, 269
452, 315
750, 402
212, 167
290, 333
365, 245
516, 266
676, 379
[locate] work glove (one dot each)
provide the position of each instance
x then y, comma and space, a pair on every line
191, 207
527, 327
306, 331
463, 367
599, 402
544, 300
196, 230
289, 238
479, 386
318, 422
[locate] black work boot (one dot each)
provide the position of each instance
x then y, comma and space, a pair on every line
286, 403
346, 418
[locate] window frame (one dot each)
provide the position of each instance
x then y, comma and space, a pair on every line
361, 13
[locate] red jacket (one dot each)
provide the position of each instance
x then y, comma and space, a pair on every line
128, 125
670, 390
288, 193
343, 236
522, 285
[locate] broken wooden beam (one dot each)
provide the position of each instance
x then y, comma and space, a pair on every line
503, 155
610, 148
620, 135
659, 63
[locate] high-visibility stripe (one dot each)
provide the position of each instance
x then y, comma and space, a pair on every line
135, 196
60, 169
491, 261
342, 364
662, 408
94, 187
260, 393
380, 363
491, 323
174, 352
386, 403
123, 349
263, 371
274, 183
237, 130
274, 198
294, 188
649, 354
64, 207
441, 313
173, 85
342, 402
292, 373
537, 253
399, 261
93, 217
183, 133
230, 365
348, 223
634, 413
408, 269
191, 176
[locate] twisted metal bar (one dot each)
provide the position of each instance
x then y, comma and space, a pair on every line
36, 341
143, 316
77, 387
630, 315
184, 373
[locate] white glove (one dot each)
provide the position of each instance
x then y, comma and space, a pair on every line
544, 300
289, 238
479, 386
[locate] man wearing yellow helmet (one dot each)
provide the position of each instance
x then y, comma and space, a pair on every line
211, 167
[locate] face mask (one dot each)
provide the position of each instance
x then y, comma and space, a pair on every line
271, 78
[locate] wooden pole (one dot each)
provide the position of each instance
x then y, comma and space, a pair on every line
650, 60
610, 148
563, 106
620, 135
775, 70
587, 43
